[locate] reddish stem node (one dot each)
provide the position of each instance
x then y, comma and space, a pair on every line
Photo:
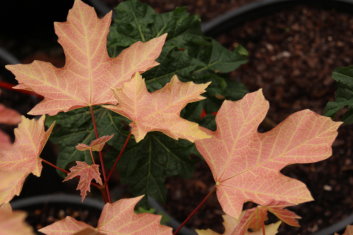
122, 150
193, 212
100, 157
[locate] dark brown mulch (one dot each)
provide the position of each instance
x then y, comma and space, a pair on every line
206, 9
46, 214
292, 56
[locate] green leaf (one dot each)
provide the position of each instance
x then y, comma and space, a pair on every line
344, 75
343, 96
146, 165
76, 127
187, 52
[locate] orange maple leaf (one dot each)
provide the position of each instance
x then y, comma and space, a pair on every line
231, 224
87, 173
95, 145
22, 158
246, 164
5, 141
160, 110
13, 222
89, 73
348, 231
255, 218
11, 117
116, 218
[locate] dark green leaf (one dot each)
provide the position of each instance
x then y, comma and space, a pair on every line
76, 127
146, 165
344, 95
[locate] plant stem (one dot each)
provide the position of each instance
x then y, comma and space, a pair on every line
56, 167
67, 172
263, 229
100, 156
122, 150
10, 86
193, 212
91, 153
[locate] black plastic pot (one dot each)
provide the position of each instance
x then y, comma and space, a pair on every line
44, 208
73, 202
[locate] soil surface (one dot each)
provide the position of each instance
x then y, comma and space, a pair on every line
291, 56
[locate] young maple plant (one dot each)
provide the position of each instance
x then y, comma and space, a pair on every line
245, 164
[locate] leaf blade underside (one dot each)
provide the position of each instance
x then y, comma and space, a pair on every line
246, 164
89, 73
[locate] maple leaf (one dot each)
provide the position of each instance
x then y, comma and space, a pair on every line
13, 222
22, 158
95, 145
89, 73
86, 173
246, 164
9, 116
11, 184
67, 226
231, 224
6, 207
160, 110
255, 218
348, 231
5, 141
116, 218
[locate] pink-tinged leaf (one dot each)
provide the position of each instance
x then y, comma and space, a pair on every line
13, 223
88, 231
252, 218
230, 224
30, 138
11, 184
119, 218
5, 141
255, 218
6, 207
67, 226
95, 145
9, 116
160, 110
89, 74
246, 164
116, 218
22, 157
286, 216
349, 230
87, 173
271, 229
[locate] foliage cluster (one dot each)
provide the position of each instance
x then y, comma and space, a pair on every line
111, 120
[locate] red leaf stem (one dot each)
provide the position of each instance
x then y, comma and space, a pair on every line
122, 150
56, 167
100, 156
67, 172
193, 212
